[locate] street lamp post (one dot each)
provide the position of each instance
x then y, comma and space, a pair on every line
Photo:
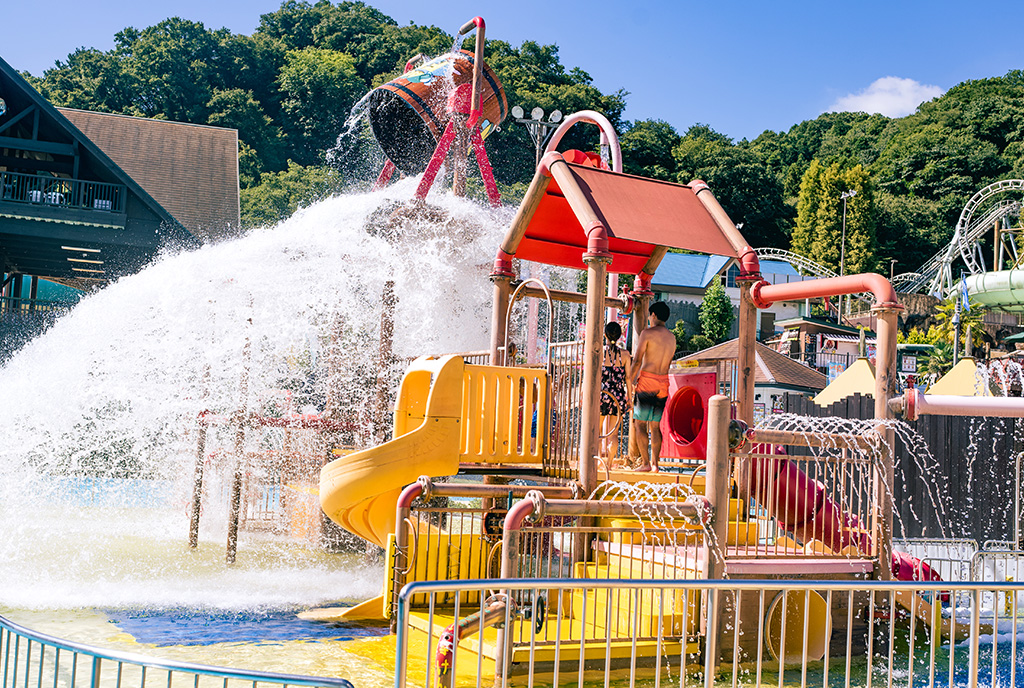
540, 131
842, 250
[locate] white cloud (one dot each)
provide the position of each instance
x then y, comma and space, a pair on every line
890, 96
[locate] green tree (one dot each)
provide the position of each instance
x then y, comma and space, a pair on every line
320, 87
90, 80
239, 110
175, 65
939, 361
819, 224
681, 335
279, 194
647, 149
750, 194
699, 342
532, 75
715, 312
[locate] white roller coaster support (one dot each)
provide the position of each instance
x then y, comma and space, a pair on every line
938, 271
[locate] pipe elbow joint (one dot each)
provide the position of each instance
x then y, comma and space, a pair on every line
642, 285
409, 495
755, 295
523, 510
750, 266
549, 159
503, 265
597, 241
882, 290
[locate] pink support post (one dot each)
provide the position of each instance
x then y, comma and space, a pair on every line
486, 171
384, 177
434, 166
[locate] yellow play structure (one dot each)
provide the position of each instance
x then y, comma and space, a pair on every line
492, 469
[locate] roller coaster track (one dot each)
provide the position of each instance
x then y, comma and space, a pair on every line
936, 275
803, 264
937, 272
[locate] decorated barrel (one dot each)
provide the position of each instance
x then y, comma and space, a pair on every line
409, 114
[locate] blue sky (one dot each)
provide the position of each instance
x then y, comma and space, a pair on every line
740, 67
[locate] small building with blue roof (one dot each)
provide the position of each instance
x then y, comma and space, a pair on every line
682, 279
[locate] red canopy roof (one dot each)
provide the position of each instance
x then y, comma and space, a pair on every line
640, 214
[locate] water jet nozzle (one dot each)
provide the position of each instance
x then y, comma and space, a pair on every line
737, 434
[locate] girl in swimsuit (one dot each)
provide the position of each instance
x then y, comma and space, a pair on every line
615, 376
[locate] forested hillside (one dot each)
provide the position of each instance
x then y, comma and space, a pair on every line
289, 87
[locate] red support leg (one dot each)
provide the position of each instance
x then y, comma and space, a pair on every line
486, 171
384, 177
434, 166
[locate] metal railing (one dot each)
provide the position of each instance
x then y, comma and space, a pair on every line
821, 359
807, 632
642, 550
33, 660
22, 306
948, 557
566, 385
455, 534
826, 501
16, 187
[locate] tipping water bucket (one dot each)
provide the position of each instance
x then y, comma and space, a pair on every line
409, 114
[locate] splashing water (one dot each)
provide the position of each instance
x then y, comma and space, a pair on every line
99, 442
836, 427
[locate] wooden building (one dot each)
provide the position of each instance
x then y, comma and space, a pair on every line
87, 197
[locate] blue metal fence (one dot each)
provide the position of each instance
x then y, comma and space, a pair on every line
33, 660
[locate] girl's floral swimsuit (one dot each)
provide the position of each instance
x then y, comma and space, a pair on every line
613, 384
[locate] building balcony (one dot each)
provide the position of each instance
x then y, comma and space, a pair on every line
57, 199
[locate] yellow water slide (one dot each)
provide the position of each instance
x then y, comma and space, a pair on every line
446, 413
358, 491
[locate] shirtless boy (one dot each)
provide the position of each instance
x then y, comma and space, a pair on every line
654, 352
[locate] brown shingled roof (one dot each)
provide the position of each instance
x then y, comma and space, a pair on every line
772, 367
189, 169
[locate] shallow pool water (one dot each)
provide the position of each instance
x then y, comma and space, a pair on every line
266, 640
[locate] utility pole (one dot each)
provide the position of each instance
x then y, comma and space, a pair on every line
842, 251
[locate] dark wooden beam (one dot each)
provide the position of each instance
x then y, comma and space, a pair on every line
9, 161
14, 120
37, 146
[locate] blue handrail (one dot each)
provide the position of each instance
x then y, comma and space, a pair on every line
29, 659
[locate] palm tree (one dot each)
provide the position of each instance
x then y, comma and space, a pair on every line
968, 320
939, 361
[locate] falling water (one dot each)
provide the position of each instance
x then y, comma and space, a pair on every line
100, 429
916, 447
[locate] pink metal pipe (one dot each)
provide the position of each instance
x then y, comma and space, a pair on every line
486, 171
434, 166
384, 177
409, 495
914, 404
765, 294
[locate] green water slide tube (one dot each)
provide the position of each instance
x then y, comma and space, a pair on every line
1002, 289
